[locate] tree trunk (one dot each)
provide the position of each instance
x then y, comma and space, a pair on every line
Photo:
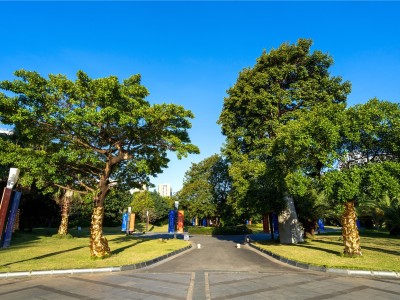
271, 225
98, 243
351, 237
265, 223
309, 227
65, 204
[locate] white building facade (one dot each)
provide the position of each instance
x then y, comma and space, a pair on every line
165, 190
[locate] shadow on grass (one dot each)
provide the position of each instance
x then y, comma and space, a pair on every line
125, 238
387, 251
303, 245
43, 256
121, 249
319, 249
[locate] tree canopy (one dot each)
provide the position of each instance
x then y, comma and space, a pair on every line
104, 130
268, 119
205, 189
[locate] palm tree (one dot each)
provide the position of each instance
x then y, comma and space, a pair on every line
64, 197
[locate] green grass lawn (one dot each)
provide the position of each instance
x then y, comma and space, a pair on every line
380, 251
40, 250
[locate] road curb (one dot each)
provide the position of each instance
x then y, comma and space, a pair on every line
386, 274
94, 270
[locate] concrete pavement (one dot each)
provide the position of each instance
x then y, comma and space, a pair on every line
217, 270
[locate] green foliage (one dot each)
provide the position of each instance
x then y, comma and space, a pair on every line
117, 201
369, 152
89, 134
98, 130
205, 189
372, 132
281, 120
343, 185
392, 215
223, 230
151, 202
231, 230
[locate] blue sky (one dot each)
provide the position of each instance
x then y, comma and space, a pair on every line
190, 53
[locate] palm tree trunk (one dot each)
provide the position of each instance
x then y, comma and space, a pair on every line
98, 243
66, 201
351, 237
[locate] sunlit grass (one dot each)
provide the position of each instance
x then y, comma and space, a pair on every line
380, 252
41, 250
256, 228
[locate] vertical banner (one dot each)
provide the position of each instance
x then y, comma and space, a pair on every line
180, 220
171, 221
14, 204
5, 201
124, 222
358, 224
132, 222
321, 226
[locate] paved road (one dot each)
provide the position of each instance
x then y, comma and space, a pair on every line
218, 270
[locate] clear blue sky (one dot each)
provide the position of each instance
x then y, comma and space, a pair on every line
190, 53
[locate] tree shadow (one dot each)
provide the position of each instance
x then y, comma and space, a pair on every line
237, 239
121, 249
43, 256
387, 251
318, 249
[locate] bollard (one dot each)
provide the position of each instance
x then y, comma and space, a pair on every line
238, 246
198, 246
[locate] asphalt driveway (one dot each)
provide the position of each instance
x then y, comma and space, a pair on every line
218, 269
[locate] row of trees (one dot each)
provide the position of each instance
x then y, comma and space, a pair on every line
87, 137
289, 134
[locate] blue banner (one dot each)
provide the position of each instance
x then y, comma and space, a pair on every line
124, 222
321, 224
171, 221
15, 199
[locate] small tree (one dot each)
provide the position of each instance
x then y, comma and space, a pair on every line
143, 206
205, 188
150, 203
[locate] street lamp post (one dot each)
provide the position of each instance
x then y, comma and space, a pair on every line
147, 221
5, 200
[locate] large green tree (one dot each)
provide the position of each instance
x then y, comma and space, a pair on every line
283, 85
104, 129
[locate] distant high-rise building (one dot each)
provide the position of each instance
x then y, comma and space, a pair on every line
165, 190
